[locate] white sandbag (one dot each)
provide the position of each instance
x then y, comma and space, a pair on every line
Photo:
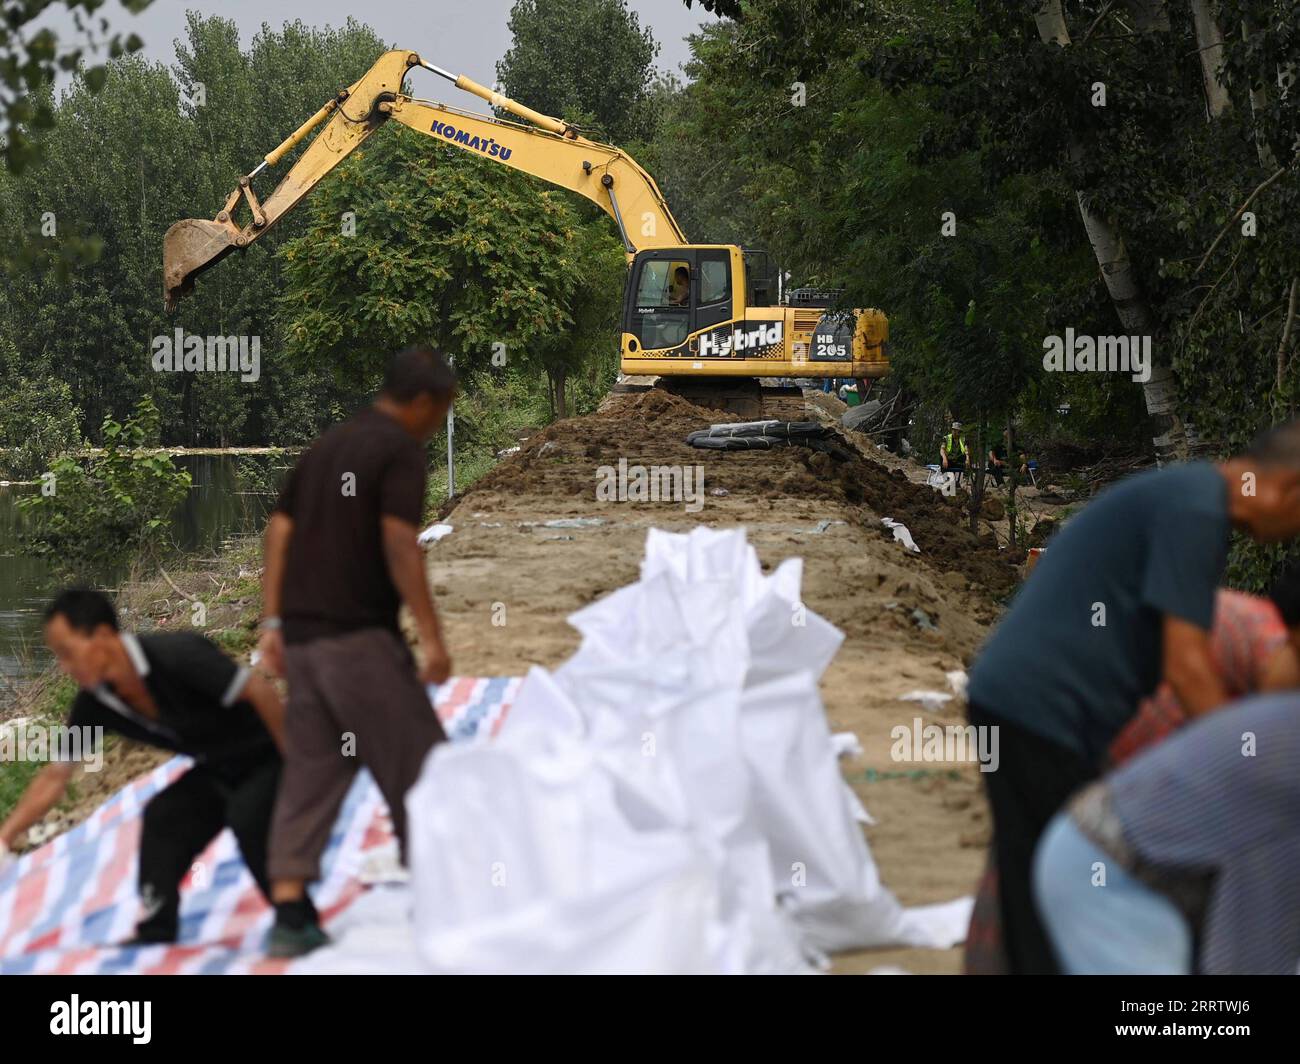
540, 703
659, 676
820, 861
538, 853
656, 924
704, 554
520, 851
668, 799
784, 635
757, 937
659, 923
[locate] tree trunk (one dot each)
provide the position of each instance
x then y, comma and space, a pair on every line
897, 423
1013, 473
1135, 315
1209, 40
556, 377
976, 466
1283, 356
1258, 104
1169, 437
1050, 20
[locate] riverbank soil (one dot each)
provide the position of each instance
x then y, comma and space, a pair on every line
907, 618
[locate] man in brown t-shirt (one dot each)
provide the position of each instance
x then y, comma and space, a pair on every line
341, 555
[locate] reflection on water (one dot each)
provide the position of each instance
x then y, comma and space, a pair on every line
219, 504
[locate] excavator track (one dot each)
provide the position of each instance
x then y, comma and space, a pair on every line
745, 396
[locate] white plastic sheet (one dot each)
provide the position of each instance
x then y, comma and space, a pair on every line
434, 533
957, 681
847, 744
901, 534
931, 701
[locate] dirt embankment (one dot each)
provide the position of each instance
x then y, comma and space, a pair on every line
908, 618
650, 429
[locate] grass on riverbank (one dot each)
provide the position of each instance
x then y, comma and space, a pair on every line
495, 413
42, 704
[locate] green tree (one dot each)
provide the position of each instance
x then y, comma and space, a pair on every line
448, 250
587, 352
1071, 143
29, 62
115, 164
38, 421
587, 61
152, 146
784, 139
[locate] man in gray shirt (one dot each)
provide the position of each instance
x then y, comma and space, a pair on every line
1122, 598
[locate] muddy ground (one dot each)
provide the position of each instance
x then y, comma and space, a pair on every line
932, 823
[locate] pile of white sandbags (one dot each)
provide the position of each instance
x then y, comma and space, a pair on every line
668, 800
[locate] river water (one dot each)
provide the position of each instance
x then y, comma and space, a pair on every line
219, 504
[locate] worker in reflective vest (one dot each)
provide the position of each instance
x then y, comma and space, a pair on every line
952, 451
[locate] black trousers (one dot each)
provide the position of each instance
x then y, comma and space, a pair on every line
180, 821
1034, 779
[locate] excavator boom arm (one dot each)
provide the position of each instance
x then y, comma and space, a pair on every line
605, 175
548, 149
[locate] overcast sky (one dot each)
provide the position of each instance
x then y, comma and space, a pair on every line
463, 36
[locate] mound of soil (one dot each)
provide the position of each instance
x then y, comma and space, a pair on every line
649, 428
831, 404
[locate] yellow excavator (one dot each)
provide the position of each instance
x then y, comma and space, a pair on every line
708, 312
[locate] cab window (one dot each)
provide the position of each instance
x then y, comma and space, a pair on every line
715, 281
663, 300
715, 289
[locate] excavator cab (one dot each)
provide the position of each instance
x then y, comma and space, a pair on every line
673, 293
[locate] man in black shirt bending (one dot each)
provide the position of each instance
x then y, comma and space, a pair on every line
177, 691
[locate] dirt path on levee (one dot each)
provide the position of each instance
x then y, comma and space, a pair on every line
931, 820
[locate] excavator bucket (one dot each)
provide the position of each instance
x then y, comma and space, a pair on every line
190, 247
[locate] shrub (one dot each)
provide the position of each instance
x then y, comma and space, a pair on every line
92, 512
